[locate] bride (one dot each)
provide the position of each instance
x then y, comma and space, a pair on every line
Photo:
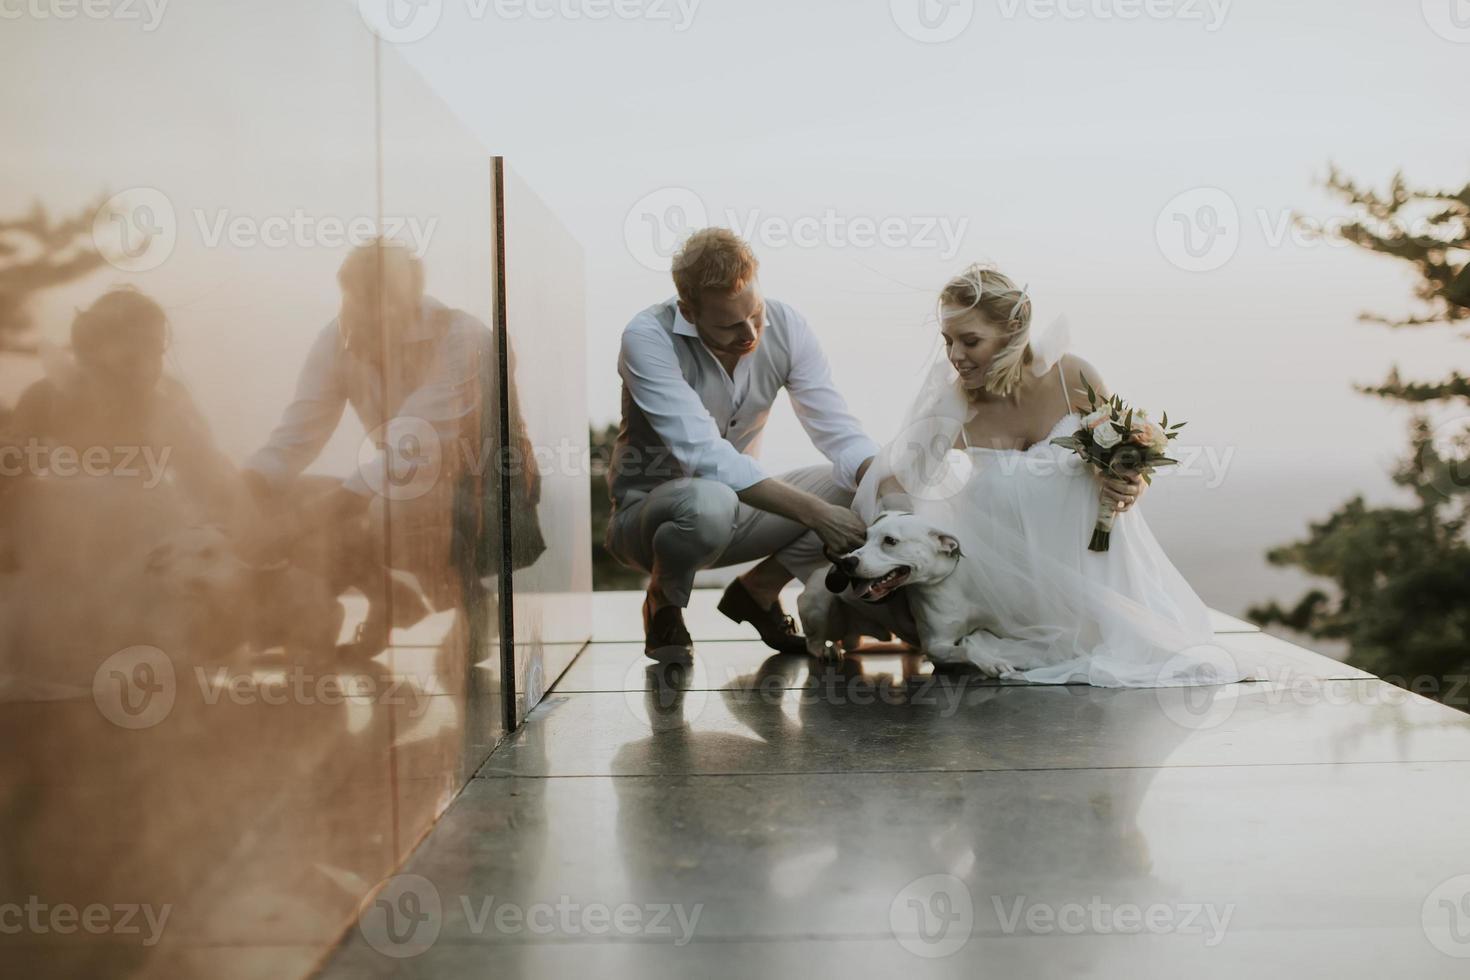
975, 458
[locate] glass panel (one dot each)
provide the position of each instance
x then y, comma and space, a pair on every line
551, 532
443, 503
248, 653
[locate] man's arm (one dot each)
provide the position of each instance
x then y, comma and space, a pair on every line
437, 409
650, 370
839, 528
822, 410
307, 423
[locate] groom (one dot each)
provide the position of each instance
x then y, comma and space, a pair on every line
700, 373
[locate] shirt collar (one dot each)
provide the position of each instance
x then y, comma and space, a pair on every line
683, 327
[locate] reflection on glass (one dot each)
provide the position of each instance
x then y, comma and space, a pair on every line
250, 508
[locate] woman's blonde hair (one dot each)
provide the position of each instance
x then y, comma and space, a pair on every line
997, 298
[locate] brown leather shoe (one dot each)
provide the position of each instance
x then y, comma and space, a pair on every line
665, 638
777, 630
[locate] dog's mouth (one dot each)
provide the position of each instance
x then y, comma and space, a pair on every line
876, 589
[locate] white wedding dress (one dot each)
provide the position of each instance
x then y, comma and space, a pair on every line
1120, 618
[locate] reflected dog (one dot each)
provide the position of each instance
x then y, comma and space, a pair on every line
278, 606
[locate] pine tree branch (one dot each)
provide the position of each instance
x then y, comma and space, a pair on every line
1455, 386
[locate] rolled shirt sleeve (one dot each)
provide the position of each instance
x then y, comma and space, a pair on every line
419, 441
822, 410
650, 370
411, 447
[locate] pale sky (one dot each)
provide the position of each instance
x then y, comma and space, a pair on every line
866, 165
1054, 144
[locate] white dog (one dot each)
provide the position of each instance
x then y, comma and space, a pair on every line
942, 588
835, 624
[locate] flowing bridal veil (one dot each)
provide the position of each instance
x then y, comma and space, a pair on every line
1120, 618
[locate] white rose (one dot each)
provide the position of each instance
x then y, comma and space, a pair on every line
1106, 436
1096, 419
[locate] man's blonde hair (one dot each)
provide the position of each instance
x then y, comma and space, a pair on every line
714, 258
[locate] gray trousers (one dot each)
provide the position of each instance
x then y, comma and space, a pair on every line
688, 524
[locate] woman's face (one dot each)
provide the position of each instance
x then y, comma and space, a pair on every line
972, 342
128, 365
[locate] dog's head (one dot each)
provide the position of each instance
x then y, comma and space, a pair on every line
199, 563
901, 549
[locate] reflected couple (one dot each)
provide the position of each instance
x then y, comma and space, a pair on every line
115, 489
996, 823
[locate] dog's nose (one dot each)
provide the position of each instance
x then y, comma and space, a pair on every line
848, 563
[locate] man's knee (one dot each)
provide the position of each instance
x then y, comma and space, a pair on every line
703, 509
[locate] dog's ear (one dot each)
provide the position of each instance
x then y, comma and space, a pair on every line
948, 544
158, 558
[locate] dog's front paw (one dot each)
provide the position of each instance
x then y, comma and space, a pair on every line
954, 655
946, 654
994, 667
822, 650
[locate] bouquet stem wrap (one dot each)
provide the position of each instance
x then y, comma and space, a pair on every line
1102, 532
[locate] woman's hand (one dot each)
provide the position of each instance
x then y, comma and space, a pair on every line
1123, 491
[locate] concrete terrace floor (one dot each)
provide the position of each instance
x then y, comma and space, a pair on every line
770, 816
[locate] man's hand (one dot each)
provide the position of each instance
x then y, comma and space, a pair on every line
840, 529
272, 536
260, 490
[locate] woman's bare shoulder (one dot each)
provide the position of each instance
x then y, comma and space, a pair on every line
1080, 373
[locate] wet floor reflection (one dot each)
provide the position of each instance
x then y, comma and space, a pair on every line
798, 811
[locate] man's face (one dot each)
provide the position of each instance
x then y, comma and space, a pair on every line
397, 303
730, 324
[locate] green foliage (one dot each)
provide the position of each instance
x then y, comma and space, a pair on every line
36, 253
607, 572
1401, 575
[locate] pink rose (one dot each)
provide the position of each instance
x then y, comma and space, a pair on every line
1150, 434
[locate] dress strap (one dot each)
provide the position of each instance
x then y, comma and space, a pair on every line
1066, 395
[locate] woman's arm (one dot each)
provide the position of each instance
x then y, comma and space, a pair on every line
1123, 493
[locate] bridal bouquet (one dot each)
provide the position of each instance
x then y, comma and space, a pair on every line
1121, 441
